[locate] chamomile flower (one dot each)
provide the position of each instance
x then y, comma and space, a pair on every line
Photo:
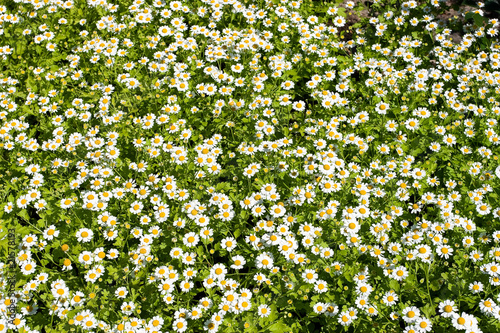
423, 324
476, 287
447, 308
277, 211
400, 273
264, 310
264, 260
321, 286
84, 235
191, 239
411, 314
390, 298
346, 318
228, 243
180, 325
238, 262
28, 267
121, 292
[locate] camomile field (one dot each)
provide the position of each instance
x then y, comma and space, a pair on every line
303, 166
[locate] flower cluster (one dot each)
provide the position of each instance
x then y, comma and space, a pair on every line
225, 165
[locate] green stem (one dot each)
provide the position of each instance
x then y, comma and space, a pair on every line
427, 282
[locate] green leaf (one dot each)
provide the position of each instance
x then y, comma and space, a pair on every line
296, 327
428, 310
279, 327
237, 233
394, 285
24, 214
478, 19
435, 285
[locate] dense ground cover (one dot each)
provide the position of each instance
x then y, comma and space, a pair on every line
249, 166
